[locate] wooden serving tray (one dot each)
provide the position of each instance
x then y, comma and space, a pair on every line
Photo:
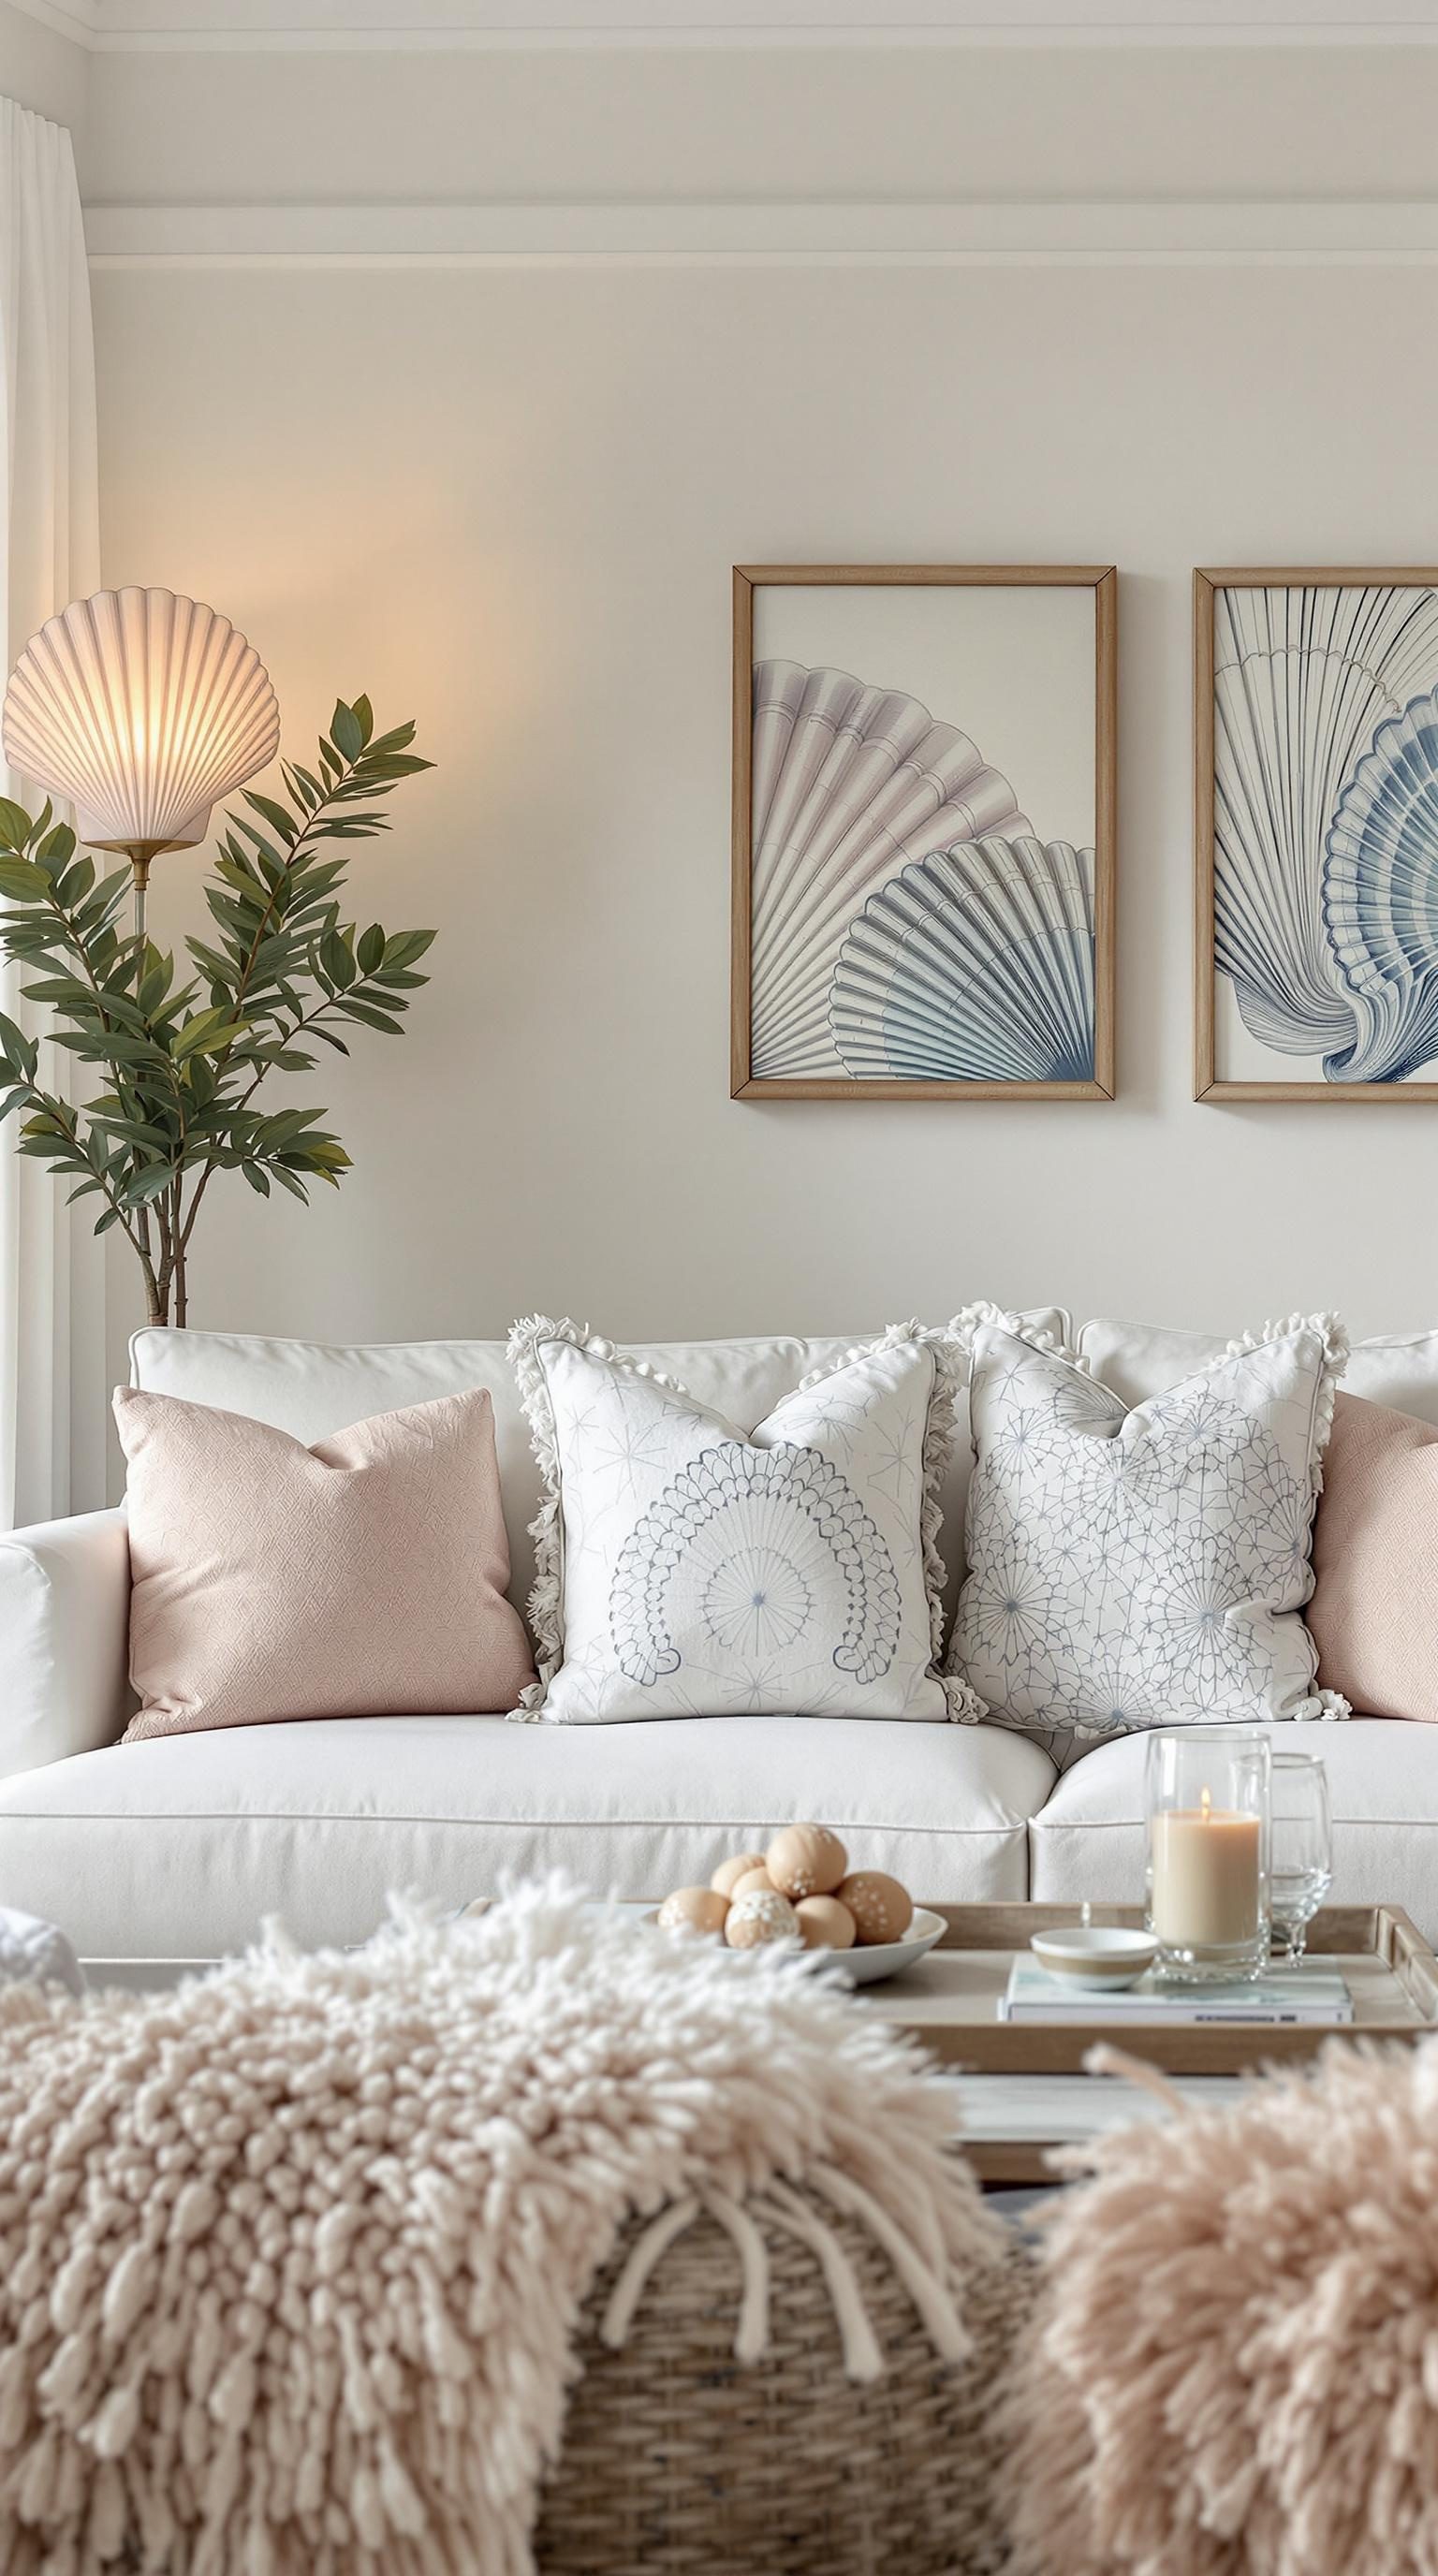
950, 2000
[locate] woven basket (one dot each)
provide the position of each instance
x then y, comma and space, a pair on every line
680, 2460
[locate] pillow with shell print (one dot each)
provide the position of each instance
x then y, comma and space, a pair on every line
692, 1566
1145, 1565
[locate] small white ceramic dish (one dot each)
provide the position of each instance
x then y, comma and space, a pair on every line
1097, 1955
871, 1964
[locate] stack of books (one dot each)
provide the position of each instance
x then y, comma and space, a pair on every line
1303, 1994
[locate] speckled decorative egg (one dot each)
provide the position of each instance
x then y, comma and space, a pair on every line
763, 1915
694, 1909
754, 1882
729, 1870
881, 1908
806, 1860
825, 1924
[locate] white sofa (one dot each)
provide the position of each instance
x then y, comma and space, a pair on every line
180, 1847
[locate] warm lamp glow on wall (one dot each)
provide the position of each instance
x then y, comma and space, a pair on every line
143, 711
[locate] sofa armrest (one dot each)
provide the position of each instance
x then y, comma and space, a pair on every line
64, 1639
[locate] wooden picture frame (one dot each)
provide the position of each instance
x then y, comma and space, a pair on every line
1261, 753
1096, 899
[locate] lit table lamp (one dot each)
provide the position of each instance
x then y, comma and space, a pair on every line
143, 710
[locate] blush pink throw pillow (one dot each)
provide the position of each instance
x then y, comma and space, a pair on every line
364, 1577
1374, 1611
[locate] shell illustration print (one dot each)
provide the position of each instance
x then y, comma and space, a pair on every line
1325, 857
907, 923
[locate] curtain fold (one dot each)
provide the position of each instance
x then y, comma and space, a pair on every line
52, 1365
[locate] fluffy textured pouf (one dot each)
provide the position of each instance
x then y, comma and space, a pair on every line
1233, 2365
290, 2260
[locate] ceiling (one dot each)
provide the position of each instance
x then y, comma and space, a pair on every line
245, 24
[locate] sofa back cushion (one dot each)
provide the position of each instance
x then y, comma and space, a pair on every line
311, 1389
1143, 1360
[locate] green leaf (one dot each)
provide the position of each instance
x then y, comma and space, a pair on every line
154, 1140
370, 951
149, 1184
345, 731
364, 718
23, 882
65, 991
336, 960
19, 1050
406, 946
256, 1179
75, 884
14, 825
57, 846
372, 1018
284, 823
211, 1032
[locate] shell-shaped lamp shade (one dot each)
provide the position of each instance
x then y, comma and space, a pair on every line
142, 710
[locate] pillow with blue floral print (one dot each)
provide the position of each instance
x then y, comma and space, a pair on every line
693, 1566
1145, 1565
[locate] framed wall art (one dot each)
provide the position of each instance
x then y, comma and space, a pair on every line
923, 886
1316, 821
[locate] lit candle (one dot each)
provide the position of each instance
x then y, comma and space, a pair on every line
1205, 1877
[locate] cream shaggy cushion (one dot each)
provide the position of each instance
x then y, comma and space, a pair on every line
290, 2260
364, 1577
1233, 2365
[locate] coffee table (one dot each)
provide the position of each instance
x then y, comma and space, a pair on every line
1020, 2090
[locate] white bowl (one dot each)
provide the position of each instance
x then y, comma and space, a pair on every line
865, 1965
1095, 1955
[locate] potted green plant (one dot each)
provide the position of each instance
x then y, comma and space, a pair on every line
179, 1061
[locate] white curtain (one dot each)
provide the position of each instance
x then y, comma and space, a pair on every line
52, 1366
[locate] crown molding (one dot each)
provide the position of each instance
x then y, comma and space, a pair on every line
1160, 233
407, 26
79, 20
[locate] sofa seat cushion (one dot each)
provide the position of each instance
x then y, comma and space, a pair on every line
180, 1847
1088, 1841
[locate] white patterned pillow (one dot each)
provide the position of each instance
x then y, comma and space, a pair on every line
1143, 1566
690, 1566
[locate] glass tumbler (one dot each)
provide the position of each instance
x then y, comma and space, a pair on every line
1301, 1860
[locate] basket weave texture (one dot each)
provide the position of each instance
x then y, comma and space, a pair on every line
678, 2458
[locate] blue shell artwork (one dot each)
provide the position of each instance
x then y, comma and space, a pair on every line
973, 965
906, 923
1326, 823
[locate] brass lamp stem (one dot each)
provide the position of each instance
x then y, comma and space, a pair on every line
140, 853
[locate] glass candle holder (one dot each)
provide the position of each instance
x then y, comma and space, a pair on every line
1209, 1830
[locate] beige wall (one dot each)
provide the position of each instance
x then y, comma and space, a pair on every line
45, 71
508, 502
506, 497
785, 123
